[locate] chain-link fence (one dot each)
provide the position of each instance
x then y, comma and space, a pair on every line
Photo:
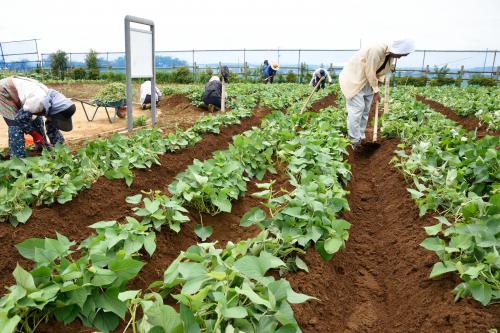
23, 55
19, 55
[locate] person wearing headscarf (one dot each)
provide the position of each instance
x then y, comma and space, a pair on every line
317, 75
359, 81
270, 71
212, 95
145, 96
23, 103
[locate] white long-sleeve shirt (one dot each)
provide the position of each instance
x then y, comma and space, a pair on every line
32, 94
146, 90
317, 75
362, 69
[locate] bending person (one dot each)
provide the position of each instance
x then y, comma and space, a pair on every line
317, 75
270, 71
145, 97
360, 78
23, 103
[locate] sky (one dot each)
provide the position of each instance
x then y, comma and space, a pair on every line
76, 26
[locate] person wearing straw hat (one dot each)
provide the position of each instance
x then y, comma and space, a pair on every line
317, 75
359, 82
270, 71
23, 102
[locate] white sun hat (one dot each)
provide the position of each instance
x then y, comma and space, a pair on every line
402, 46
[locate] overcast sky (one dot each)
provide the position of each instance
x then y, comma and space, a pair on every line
186, 24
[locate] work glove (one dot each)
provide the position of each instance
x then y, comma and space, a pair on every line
38, 138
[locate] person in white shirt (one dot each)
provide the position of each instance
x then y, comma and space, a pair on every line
317, 75
145, 97
23, 102
360, 78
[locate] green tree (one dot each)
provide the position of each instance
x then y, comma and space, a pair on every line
92, 63
59, 63
291, 77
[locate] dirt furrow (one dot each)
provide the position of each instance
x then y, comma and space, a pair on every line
105, 200
470, 123
379, 283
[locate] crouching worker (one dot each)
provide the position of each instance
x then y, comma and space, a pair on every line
317, 75
145, 98
212, 94
23, 104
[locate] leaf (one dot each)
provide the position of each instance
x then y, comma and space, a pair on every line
480, 292
440, 268
125, 268
24, 278
296, 298
8, 325
415, 194
293, 211
106, 321
222, 202
257, 267
27, 247
187, 317
332, 245
254, 298
165, 317
128, 295
235, 312
150, 243
23, 215
254, 216
433, 244
134, 199
434, 230
110, 303
103, 225
203, 231
301, 264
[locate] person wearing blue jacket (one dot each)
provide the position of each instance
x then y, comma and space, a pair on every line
270, 71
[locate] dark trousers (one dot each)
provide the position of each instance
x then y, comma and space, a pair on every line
212, 100
17, 145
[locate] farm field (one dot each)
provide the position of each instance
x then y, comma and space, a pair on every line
262, 219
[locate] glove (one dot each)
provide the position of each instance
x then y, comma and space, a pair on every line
37, 138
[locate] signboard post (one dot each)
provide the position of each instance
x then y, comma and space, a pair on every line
140, 61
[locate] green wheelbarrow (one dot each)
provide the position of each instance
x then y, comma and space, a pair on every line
96, 105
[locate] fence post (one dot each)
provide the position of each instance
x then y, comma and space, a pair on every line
423, 61
194, 78
299, 71
461, 73
244, 64
493, 64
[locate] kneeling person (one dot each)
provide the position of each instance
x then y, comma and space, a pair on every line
212, 95
145, 97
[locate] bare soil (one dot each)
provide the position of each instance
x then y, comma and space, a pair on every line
380, 283
470, 123
105, 200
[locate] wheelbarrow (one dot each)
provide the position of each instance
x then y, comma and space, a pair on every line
96, 104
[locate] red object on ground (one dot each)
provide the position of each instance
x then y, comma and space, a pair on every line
122, 111
28, 140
